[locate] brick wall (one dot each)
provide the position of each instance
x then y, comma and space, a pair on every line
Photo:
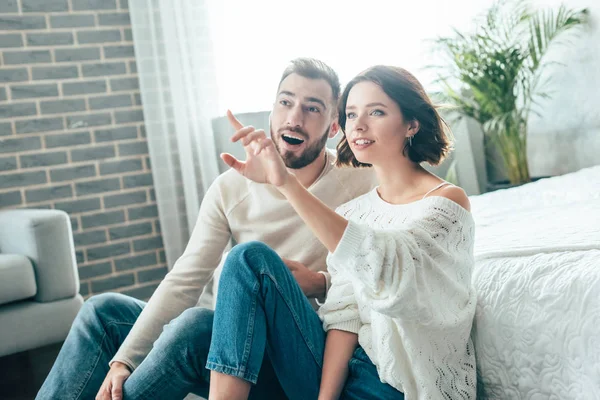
72, 136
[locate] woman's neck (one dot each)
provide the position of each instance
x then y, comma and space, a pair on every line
403, 182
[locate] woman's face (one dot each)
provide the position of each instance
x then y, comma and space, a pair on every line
375, 128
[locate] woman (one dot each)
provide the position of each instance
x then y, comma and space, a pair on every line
399, 311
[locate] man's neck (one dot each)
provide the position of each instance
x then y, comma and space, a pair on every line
309, 174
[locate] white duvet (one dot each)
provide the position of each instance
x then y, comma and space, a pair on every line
537, 273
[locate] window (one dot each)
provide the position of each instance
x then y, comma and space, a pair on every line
254, 40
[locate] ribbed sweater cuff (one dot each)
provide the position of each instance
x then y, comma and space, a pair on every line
125, 361
349, 244
351, 326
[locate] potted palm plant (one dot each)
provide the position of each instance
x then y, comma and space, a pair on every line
497, 74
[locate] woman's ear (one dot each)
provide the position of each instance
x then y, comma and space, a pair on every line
413, 127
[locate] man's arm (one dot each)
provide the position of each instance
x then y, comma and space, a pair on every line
313, 284
339, 348
183, 285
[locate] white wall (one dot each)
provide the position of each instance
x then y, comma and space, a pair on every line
254, 40
567, 136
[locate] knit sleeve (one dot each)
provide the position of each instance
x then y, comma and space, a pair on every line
340, 310
420, 273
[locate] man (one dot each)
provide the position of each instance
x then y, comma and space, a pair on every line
147, 362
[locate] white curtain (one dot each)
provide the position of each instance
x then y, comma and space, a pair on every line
175, 64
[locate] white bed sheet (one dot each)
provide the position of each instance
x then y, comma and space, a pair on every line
537, 273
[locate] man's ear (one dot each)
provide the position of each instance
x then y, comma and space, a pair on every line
334, 128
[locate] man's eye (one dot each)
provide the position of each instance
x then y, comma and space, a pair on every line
313, 110
284, 102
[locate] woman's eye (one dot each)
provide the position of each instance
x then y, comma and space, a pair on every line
377, 112
350, 115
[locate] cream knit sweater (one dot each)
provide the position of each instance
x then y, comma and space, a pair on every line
401, 280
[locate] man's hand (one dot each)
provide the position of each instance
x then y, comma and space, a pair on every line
263, 163
112, 387
312, 283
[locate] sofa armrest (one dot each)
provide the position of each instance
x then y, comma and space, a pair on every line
45, 237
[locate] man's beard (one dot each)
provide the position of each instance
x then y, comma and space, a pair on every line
310, 153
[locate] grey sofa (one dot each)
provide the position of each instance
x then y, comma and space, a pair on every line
39, 283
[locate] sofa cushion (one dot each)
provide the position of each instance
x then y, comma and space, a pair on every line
29, 324
17, 279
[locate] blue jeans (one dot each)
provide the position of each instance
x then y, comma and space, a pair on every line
174, 367
261, 311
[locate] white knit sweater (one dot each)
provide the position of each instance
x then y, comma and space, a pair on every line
401, 280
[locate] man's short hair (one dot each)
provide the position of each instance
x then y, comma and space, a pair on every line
314, 69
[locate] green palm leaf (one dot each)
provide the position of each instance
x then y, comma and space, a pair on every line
494, 74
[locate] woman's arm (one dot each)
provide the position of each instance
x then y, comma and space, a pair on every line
326, 224
419, 273
341, 320
339, 348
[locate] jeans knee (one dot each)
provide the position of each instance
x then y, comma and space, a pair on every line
104, 308
101, 304
191, 330
253, 247
104, 300
254, 255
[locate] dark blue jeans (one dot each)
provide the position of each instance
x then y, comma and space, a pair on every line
174, 367
176, 364
261, 311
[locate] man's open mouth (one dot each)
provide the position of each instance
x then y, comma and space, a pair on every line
291, 139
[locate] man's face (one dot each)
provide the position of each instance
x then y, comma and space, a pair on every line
301, 120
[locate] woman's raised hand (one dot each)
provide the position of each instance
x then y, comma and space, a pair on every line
263, 163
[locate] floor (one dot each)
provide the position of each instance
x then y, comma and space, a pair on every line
22, 374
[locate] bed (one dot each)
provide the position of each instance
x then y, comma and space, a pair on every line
537, 274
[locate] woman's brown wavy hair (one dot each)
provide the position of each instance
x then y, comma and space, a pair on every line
433, 141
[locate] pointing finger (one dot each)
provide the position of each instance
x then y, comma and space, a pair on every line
237, 125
